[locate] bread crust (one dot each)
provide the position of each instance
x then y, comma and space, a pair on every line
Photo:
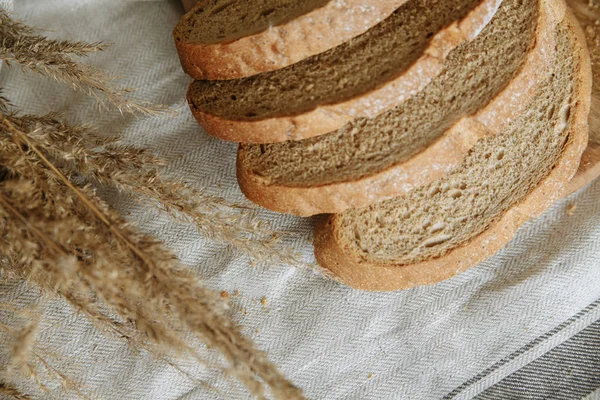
329, 117
386, 277
282, 45
447, 152
589, 169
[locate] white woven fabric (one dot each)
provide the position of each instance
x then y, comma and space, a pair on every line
334, 342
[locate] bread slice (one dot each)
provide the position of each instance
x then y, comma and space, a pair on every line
360, 78
230, 39
370, 160
589, 168
439, 230
588, 16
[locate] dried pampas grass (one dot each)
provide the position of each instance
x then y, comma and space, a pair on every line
25, 46
28, 359
8, 390
57, 233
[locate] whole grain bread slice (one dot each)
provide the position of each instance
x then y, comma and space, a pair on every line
225, 39
370, 160
588, 16
444, 228
360, 78
229, 39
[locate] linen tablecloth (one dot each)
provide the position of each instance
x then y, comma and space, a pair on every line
525, 324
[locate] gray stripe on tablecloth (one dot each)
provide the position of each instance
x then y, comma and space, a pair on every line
570, 371
456, 392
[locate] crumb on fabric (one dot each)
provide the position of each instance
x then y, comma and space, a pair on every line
265, 303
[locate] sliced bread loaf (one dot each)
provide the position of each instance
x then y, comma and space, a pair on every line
439, 230
360, 78
229, 39
372, 159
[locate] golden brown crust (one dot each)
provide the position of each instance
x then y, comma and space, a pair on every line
329, 117
378, 277
589, 169
286, 44
447, 152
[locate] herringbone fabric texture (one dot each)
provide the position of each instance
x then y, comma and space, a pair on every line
455, 339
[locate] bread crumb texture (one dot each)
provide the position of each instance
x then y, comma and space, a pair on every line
355, 67
217, 21
499, 172
475, 73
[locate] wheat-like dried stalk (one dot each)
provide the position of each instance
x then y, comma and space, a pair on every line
3, 102
29, 361
23, 45
63, 235
135, 171
57, 233
8, 390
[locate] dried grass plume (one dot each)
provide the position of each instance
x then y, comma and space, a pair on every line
25, 46
57, 233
